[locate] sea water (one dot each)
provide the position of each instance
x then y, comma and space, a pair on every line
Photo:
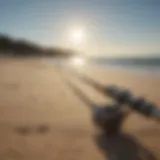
141, 66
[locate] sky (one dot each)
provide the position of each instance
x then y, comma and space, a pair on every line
110, 27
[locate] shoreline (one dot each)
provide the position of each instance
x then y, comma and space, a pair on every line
131, 69
138, 70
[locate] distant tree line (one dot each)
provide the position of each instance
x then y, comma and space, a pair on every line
11, 47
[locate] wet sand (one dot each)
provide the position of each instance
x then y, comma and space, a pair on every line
42, 119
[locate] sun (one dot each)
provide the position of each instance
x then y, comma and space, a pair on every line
77, 36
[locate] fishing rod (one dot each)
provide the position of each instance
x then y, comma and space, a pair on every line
123, 97
81, 95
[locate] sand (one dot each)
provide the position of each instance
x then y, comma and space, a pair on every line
42, 119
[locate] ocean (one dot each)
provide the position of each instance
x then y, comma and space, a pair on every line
137, 66
141, 66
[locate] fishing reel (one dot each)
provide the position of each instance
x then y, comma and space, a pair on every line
109, 118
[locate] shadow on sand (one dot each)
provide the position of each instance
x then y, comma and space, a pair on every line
122, 147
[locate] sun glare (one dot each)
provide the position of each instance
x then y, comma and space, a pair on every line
77, 36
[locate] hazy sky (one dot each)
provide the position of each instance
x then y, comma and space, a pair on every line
111, 27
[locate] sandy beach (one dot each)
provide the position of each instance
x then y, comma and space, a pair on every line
42, 119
